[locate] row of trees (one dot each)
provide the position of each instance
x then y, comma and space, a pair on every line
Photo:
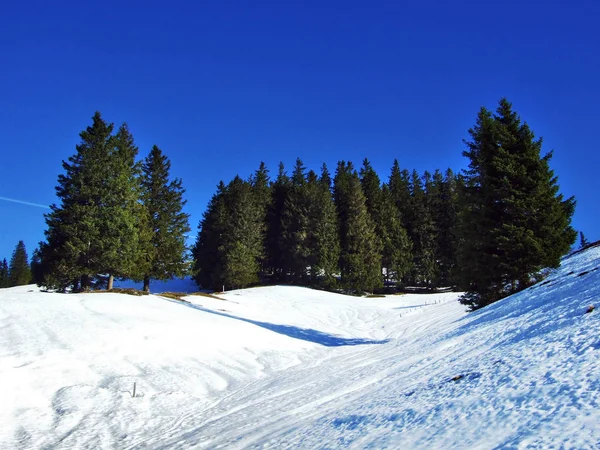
487, 231
18, 272
116, 217
352, 232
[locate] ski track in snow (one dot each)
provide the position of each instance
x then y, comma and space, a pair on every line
287, 367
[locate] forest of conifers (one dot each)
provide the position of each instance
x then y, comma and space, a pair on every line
488, 230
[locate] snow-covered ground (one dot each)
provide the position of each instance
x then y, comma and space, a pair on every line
286, 367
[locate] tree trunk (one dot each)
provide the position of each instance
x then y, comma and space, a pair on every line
85, 283
146, 283
111, 280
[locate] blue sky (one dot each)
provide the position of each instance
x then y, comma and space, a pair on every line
220, 86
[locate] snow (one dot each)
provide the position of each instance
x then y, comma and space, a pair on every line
288, 367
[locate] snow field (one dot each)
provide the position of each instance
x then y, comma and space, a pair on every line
287, 367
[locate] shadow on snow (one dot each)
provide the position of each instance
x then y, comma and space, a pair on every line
304, 334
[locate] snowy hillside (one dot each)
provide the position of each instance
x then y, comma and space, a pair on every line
285, 367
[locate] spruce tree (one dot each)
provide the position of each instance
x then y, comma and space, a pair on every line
360, 258
165, 252
209, 246
262, 198
273, 242
583, 242
322, 240
76, 246
423, 234
19, 271
4, 274
36, 266
514, 221
294, 228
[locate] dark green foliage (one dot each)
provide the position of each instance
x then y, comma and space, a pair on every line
583, 242
274, 251
393, 240
515, 222
229, 246
165, 250
4, 274
442, 195
37, 269
360, 259
423, 232
19, 271
322, 231
208, 267
76, 248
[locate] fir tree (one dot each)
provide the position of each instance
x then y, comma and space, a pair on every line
76, 247
208, 261
583, 242
4, 274
273, 242
360, 258
322, 240
515, 222
294, 228
165, 252
423, 234
19, 271
36, 266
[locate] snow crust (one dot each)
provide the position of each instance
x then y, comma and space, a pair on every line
288, 367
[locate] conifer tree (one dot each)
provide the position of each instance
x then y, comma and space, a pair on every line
207, 251
36, 266
423, 233
515, 222
166, 252
125, 236
393, 240
19, 271
360, 259
262, 198
273, 242
323, 240
294, 231
583, 242
76, 247
4, 274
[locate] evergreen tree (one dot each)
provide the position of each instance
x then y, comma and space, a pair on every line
294, 228
273, 242
515, 221
360, 257
322, 240
76, 245
583, 242
423, 234
393, 240
19, 271
208, 261
262, 198
442, 194
36, 266
397, 255
122, 216
4, 274
166, 252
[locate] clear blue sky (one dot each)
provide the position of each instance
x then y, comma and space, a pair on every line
221, 85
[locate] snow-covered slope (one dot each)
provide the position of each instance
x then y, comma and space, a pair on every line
286, 367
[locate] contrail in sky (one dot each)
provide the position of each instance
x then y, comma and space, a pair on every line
24, 202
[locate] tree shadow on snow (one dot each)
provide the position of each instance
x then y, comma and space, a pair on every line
304, 334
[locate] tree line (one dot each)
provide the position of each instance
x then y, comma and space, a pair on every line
487, 230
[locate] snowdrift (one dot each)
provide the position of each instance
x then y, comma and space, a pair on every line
288, 367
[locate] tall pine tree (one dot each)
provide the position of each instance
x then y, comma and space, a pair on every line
515, 221
165, 252
19, 271
4, 274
